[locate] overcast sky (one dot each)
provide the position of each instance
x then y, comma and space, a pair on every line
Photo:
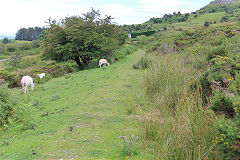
16, 14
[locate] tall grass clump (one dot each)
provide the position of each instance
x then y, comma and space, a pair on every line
144, 63
164, 82
178, 127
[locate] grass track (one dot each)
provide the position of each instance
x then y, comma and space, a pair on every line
97, 101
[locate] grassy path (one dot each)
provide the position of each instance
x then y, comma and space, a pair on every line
91, 103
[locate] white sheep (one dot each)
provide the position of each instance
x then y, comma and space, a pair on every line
41, 75
25, 82
103, 62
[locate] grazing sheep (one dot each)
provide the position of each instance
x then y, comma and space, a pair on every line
103, 62
41, 75
25, 82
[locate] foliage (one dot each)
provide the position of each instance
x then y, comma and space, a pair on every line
82, 38
228, 140
15, 60
206, 24
171, 18
122, 52
6, 40
10, 47
222, 104
147, 33
11, 111
29, 34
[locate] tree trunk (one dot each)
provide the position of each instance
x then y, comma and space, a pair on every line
85, 59
78, 62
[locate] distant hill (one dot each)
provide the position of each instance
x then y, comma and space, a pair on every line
223, 1
9, 36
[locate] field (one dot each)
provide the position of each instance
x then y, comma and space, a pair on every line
171, 95
93, 102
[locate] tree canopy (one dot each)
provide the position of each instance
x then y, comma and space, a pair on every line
82, 38
29, 34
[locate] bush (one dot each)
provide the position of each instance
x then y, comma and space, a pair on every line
24, 46
6, 106
38, 80
10, 48
36, 43
206, 24
11, 111
15, 60
121, 53
57, 70
148, 33
222, 104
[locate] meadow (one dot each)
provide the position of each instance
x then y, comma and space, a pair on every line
172, 95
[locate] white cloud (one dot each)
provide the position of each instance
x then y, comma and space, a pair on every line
121, 13
15, 14
157, 5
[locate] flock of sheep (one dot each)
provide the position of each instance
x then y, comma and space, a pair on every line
28, 81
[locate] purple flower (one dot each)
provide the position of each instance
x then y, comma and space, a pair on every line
124, 137
120, 136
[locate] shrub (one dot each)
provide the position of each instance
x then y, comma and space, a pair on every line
121, 53
15, 59
38, 80
228, 139
6, 106
24, 46
11, 111
57, 70
10, 47
206, 24
222, 104
36, 43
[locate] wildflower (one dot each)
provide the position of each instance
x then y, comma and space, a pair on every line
124, 137
221, 139
120, 136
234, 103
126, 157
220, 125
239, 98
235, 108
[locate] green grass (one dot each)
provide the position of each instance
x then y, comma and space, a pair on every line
3, 56
176, 126
97, 99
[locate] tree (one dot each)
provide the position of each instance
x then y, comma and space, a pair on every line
29, 34
82, 38
6, 40
206, 24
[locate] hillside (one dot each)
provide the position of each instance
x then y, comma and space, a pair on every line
223, 1
177, 97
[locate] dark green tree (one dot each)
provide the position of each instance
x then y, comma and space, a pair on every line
6, 40
82, 38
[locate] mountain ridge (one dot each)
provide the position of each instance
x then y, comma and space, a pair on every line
223, 1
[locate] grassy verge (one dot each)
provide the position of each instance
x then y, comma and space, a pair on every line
175, 123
